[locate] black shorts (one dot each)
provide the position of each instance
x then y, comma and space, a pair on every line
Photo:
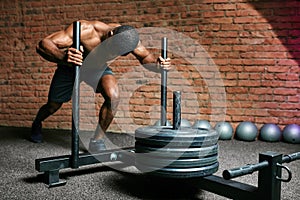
61, 87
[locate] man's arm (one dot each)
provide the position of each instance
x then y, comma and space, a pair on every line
55, 48
148, 60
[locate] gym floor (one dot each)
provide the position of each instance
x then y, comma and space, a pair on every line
19, 179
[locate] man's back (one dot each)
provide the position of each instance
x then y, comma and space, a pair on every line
92, 33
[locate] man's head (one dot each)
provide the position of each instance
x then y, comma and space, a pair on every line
126, 35
122, 28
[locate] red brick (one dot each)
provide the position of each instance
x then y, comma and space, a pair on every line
294, 99
222, 20
284, 113
249, 83
260, 91
255, 50
210, 14
292, 84
287, 62
225, 6
285, 91
277, 55
273, 83
231, 75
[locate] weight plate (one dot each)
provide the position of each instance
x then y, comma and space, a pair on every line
177, 163
181, 172
198, 152
184, 137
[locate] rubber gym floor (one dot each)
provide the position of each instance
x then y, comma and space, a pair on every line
19, 179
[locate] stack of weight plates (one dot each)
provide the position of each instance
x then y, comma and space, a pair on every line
182, 153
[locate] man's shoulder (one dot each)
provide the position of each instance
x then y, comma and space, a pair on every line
92, 24
114, 25
97, 25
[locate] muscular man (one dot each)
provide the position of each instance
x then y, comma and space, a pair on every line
57, 48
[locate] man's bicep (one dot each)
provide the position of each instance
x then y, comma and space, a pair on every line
143, 54
61, 39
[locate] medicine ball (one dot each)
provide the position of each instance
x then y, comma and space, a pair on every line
270, 133
185, 123
246, 131
291, 133
225, 130
202, 124
158, 123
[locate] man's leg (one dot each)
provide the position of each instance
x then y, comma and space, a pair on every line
44, 112
60, 91
109, 89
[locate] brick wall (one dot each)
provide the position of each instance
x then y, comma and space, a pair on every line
253, 44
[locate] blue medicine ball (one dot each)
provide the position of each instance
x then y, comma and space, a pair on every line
291, 134
270, 133
246, 131
225, 130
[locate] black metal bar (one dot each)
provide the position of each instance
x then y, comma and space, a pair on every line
241, 171
64, 161
227, 188
52, 179
164, 55
291, 157
269, 187
75, 100
249, 169
176, 109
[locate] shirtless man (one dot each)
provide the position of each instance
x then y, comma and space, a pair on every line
57, 48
